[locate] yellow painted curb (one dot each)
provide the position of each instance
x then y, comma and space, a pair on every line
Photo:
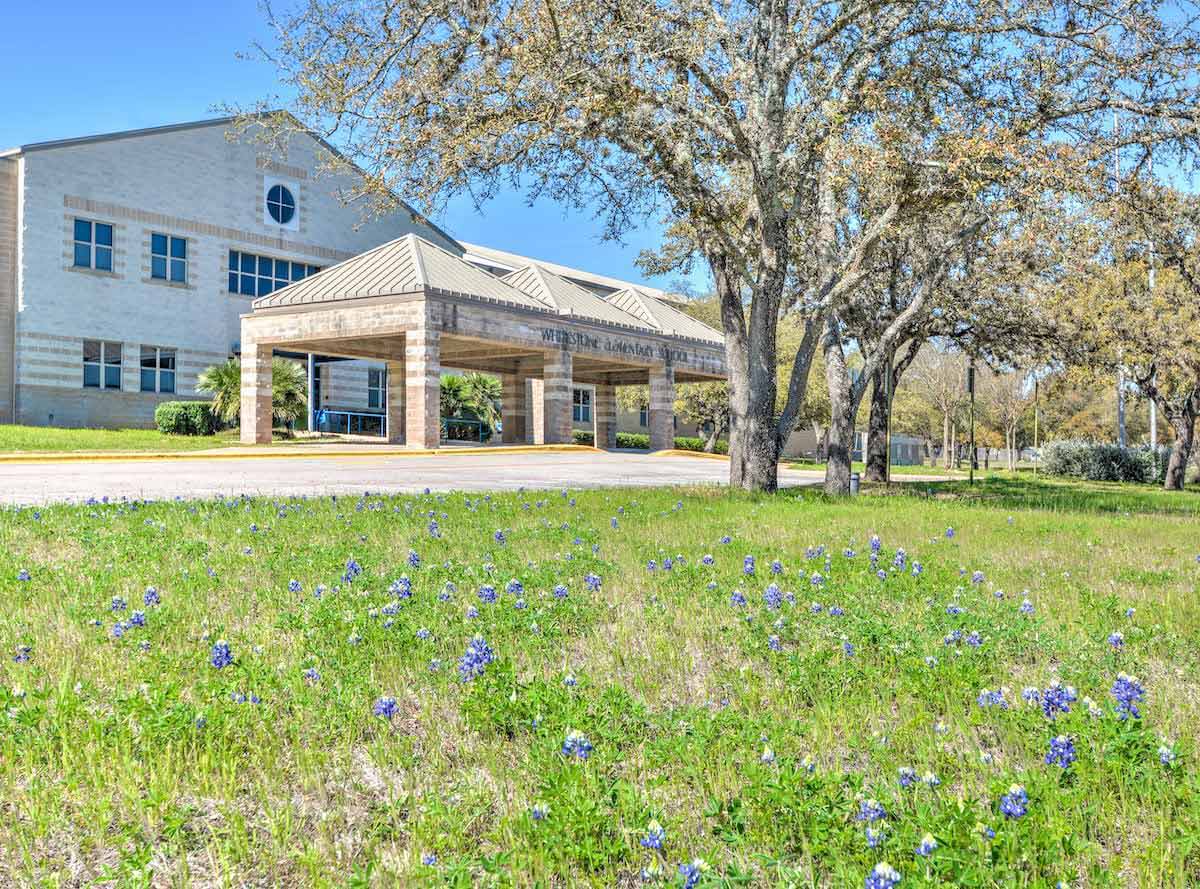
676, 452
296, 452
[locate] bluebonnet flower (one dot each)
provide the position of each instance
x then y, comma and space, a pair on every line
475, 659
870, 810
953, 608
560, 591
22, 654
434, 529
655, 836
150, 597
294, 586
726, 539
881, 574
977, 577
1116, 639
776, 567
1030, 695
931, 661
144, 645
138, 619
401, 587
472, 612
592, 582
428, 859
1057, 698
576, 745
222, 655
385, 707
882, 876
815, 607
908, 776
1061, 752
652, 565
423, 633
774, 644
974, 639
816, 579
849, 553
668, 563
737, 599
1166, 755
118, 604
613, 521
767, 756
917, 568
1015, 803
992, 698
1026, 606
540, 811
707, 559
499, 537
23, 575
748, 565
487, 594
570, 681
900, 560
949, 533
927, 845
311, 676
692, 871
847, 649
514, 587
353, 569
414, 559
1129, 612
238, 697
931, 780
875, 837
519, 604
952, 637
876, 543
1128, 691
773, 596
986, 832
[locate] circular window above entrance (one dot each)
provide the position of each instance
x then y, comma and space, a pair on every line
280, 204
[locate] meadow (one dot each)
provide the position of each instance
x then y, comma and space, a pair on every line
992, 688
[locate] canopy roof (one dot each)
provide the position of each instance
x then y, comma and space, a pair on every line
567, 298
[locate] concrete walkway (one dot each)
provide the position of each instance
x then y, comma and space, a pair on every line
290, 474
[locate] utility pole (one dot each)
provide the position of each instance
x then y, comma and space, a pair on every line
971, 391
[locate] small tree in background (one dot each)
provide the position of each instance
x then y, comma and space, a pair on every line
289, 390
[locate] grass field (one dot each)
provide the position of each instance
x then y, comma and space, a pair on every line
324, 693
23, 439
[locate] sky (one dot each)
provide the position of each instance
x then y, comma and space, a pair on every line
76, 68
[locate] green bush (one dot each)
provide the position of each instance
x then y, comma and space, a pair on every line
687, 443
185, 418
583, 438
1100, 462
634, 440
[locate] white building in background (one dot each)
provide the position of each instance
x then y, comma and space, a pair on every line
128, 259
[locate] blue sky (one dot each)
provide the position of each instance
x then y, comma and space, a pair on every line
76, 68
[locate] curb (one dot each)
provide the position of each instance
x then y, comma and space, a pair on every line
291, 453
676, 452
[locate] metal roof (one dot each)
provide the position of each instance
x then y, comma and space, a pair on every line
662, 317
406, 265
567, 298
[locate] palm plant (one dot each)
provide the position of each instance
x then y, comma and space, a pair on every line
289, 389
482, 393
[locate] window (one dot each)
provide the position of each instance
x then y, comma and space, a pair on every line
280, 204
643, 416
158, 369
168, 258
93, 245
252, 275
581, 405
101, 365
377, 389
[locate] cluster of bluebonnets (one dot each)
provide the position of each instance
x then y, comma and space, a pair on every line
760, 590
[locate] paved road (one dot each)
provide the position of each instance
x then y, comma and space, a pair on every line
37, 483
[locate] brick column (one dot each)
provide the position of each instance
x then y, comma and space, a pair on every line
422, 391
535, 421
513, 410
556, 410
606, 415
396, 384
256, 394
662, 408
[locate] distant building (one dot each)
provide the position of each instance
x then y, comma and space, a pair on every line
127, 261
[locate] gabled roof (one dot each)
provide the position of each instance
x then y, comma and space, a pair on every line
406, 265
509, 262
567, 298
662, 317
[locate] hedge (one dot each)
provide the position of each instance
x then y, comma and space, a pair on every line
1099, 462
185, 418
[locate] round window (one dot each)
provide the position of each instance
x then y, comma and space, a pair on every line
280, 204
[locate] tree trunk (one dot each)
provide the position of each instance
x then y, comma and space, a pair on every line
1184, 425
876, 456
947, 441
841, 415
710, 442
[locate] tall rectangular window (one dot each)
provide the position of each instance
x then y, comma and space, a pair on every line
101, 364
581, 405
158, 369
643, 416
253, 275
377, 389
93, 245
168, 258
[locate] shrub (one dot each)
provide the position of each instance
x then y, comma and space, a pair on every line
185, 418
1100, 462
635, 440
688, 443
583, 438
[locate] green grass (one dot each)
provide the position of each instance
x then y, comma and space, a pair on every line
24, 439
127, 761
